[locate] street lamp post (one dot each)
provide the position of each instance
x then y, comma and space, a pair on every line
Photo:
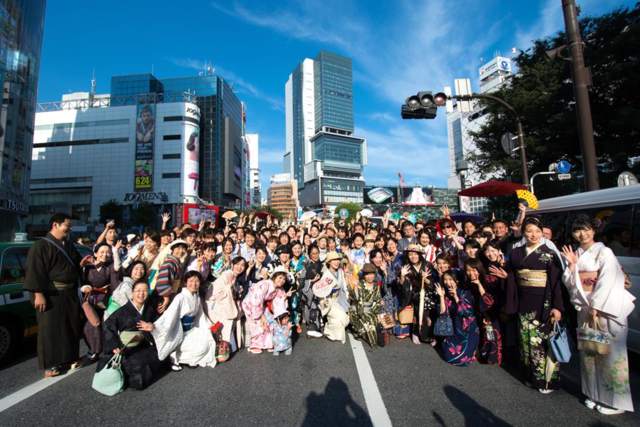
461, 170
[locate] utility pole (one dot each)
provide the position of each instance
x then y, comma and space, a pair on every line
581, 81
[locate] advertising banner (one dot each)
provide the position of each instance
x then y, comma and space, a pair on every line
417, 196
378, 195
145, 134
190, 160
193, 214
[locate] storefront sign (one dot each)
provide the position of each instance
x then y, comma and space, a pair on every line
146, 197
14, 206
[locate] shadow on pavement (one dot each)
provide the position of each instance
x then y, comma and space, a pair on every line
335, 407
474, 414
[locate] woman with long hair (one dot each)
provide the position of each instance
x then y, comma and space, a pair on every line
488, 298
596, 284
534, 292
415, 277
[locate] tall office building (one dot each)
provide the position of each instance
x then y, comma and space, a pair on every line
254, 165
177, 143
323, 155
492, 76
21, 29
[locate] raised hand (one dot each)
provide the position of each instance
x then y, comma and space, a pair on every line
439, 290
166, 217
446, 212
498, 272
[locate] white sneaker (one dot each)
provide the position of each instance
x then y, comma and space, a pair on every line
589, 403
545, 391
608, 411
176, 367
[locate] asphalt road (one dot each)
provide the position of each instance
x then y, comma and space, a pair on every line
320, 384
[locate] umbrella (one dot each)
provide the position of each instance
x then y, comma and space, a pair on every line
307, 215
464, 216
263, 215
491, 189
550, 367
603, 214
366, 213
229, 215
527, 198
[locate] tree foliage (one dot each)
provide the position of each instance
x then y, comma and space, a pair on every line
542, 93
112, 209
145, 215
353, 209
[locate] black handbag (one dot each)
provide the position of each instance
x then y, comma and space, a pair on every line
443, 326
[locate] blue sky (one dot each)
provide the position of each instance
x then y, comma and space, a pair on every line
397, 49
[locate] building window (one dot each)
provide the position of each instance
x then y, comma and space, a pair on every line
171, 156
171, 137
181, 119
171, 175
80, 142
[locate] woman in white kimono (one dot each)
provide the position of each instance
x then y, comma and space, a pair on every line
596, 286
222, 303
182, 332
335, 306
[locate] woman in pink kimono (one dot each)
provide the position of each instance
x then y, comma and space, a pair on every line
595, 282
256, 310
222, 305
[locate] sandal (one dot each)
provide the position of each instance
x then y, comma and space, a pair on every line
255, 350
51, 372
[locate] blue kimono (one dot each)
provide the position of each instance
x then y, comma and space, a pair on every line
460, 347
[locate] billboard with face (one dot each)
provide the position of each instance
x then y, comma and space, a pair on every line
145, 134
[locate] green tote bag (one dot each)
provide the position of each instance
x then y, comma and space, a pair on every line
110, 380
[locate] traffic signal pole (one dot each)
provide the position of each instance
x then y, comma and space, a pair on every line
523, 154
581, 81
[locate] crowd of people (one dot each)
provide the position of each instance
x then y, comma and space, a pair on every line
194, 295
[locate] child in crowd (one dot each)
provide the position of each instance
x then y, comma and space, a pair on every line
281, 327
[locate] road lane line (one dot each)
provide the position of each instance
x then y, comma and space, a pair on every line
25, 393
372, 396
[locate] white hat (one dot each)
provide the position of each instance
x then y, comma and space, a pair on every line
279, 269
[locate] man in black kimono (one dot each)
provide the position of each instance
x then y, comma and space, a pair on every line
52, 281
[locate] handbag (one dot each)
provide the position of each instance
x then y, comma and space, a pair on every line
594, 340
222, 351
559, 342
386, 320
90, 312
110, 380
443, 326
405, 317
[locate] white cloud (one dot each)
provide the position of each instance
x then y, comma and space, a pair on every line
274, 103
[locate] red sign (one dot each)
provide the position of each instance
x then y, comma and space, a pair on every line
194, 213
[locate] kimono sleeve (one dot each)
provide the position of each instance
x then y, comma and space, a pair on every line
253, 304
511, 300
37, 274
554, 277
111, 335
464, 308
609, 296
490, 298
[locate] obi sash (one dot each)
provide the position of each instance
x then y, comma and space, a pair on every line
588, 279
368, 307
187, 323
531, 278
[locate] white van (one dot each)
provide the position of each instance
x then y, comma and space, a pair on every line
619, 211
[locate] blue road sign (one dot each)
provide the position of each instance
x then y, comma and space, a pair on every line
344, 213
564, 166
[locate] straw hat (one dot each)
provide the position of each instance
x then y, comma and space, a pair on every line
278, 270
413, 248
332, 256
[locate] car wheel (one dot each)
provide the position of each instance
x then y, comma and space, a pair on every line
8, 341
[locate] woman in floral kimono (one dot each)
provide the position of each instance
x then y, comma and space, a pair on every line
365, 306
415, 276
460, 347
386, 280
255, 307
596, 286
222, 305
335, 306
311, 312
534, 292
487, 293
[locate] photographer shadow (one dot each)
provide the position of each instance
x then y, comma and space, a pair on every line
334, 407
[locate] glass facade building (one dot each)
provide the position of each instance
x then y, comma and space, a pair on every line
21, 30
217, 102
333, 89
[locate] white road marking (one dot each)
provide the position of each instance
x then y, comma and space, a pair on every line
30, 390
375, 404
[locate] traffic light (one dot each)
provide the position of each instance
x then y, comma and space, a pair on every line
423, 105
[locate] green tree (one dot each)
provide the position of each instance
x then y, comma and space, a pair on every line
112, 209
353, 209
145, 215
542, 93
